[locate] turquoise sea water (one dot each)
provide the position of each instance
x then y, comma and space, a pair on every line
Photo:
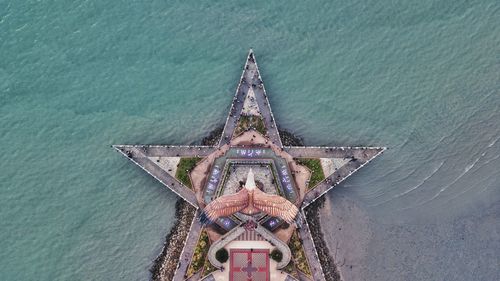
421, 77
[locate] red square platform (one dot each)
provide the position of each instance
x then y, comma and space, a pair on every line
249, 265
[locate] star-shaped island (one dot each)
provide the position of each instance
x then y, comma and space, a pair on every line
248, 194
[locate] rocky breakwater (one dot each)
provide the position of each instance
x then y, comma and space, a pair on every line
290, 139
327, 263
214, 137
165, 264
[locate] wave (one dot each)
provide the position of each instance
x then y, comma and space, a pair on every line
424, 180
484, 164
466, 170
493, 142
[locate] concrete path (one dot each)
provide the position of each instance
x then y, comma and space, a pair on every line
283, 247
362, 153
290, 278
209, 277
170, 150
303, 277
234, 233
188, 249
223, 241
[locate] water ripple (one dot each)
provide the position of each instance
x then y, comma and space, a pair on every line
424, 180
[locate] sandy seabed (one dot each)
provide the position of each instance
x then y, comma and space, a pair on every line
365, 247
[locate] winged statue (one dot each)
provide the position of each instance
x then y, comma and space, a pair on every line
250, 201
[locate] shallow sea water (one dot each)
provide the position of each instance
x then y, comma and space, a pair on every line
421, 78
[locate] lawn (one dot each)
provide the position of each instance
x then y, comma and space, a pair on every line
185, 166
290, 269
313, 164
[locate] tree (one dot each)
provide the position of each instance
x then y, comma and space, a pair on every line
222, 255
276, 255
285, 225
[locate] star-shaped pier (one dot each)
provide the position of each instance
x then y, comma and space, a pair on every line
250, 124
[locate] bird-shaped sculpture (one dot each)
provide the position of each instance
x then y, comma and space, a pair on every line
250, 201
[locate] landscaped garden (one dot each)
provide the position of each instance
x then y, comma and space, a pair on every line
298, 254
250, 122
185, 166
290, 269
208, 268
200, 254
314, 165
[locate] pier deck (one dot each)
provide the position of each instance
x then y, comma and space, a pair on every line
147, 157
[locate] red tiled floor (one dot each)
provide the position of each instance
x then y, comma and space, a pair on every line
249, 265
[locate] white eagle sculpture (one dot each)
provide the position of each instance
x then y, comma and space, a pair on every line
250, 201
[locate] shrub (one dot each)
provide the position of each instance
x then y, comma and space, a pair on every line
250, 122
298, 254
277, 255
200, 254
222, 255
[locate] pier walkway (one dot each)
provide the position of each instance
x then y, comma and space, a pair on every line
250, 78
363, 153
360, 156
310, 249
140, 155
188, 249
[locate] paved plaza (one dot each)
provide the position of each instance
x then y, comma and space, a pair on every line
263, 176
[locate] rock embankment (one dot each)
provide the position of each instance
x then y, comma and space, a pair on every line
289, 139
327, 263
165, 264
214, 137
